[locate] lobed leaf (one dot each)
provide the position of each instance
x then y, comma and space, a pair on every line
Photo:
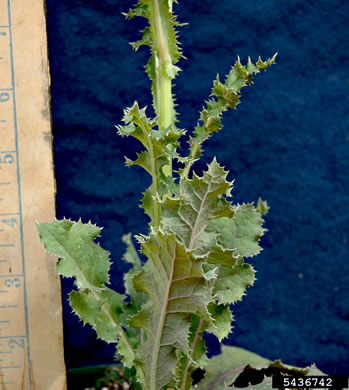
225, 96
232, 282
240, 233
161, 146
80, 257
101, 310
83, 259
175, 283
131, 256
196, 357
223, 370
200, 201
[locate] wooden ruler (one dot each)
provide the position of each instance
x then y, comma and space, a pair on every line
31, 342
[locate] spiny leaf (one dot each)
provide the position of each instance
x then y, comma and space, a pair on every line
224, 369
137, 124
143, 160
262, 206
131, 256
222, 319
124, 351
225, 96
147, 202
101, 310
232, 282
196, 357
177, 288
160, 145
201, 200
241, 233
80, 257
219, 255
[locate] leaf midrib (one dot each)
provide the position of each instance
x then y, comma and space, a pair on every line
77, 267
157, 343
193, 233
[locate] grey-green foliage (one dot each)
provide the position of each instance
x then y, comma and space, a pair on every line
198, 239
225, 368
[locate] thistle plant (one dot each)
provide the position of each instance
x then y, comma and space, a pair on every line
197, 239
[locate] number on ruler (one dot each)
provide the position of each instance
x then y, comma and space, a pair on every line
14, 282
10, 221
7, 159
13, 343
4, 97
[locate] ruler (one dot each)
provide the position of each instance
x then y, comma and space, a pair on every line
31, 347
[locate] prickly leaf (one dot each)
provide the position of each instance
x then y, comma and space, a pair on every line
100, 309
80, 256
175, 283
200, 201
241, 233
225, 96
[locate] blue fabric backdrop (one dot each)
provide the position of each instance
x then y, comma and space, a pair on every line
287, 142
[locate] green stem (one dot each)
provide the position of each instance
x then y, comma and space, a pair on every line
166, 112
164, 87
154, 188
166, 103
190, 163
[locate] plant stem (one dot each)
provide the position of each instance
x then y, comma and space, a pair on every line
166, 103
164, 87
186, 171
154, 174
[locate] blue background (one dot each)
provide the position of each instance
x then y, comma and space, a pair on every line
287, 142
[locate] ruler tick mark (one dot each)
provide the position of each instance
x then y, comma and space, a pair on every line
8, 306
6, 245
11, 275
3, 261
3, 291
4, 183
